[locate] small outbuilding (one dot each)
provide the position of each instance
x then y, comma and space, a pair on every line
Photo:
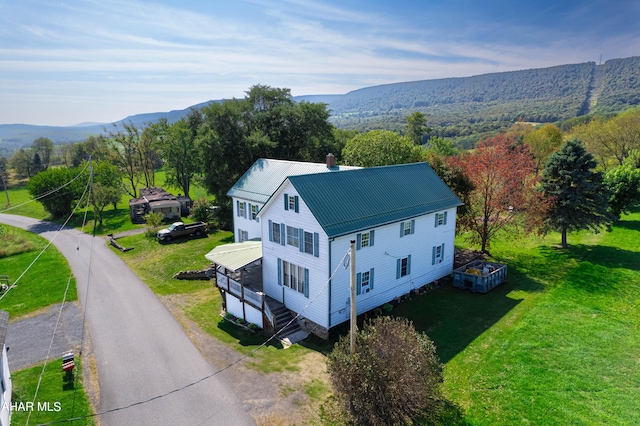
157, 200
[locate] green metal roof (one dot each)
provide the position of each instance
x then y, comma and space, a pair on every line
265, 176
236, 255
356, 200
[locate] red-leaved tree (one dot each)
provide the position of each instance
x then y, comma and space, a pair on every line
505, 189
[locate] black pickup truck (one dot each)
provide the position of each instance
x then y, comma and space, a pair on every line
179, 229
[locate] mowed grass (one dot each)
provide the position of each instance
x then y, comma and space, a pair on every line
41, 285
201, 302
113, 220
559, 343
58, 398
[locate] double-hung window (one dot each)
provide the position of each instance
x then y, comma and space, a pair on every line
364, 239
242, 209
293, 237
403, 267
407, 227
293, 276
364, 281
275, 232
437, 254
254, 211
441, 219
291, 202
308, 242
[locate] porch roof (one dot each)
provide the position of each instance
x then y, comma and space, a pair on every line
236, 255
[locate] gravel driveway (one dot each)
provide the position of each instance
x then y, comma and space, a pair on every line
29, 339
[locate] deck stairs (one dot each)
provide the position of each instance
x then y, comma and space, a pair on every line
282, 317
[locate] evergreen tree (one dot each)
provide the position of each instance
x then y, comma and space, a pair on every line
580, 197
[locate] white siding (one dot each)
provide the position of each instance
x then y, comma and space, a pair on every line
5, 397
317, 266
251, 226
253, 315
234, 306
382, 257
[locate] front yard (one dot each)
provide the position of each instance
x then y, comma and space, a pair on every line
556, 344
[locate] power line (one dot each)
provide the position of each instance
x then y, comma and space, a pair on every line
51, 241
64, 298
47, 193
214, 373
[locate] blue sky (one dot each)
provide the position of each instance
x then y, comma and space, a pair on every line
66, 62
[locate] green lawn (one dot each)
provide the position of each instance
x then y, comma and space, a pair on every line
114, 220
33, 291
558, 344
58, 398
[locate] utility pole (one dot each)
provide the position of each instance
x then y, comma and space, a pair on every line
354, 325
5, 187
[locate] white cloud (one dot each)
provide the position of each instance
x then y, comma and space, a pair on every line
134, 54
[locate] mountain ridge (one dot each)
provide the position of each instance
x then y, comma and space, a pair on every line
454, 106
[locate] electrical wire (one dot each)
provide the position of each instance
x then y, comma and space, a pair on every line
64, 298
47, 193
50, 241
215, 373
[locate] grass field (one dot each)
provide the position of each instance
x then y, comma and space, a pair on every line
33, 291
58, 398
557, 344
114, 220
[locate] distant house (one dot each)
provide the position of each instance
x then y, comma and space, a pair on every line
401, 217
254, 188
5, 373
157, 200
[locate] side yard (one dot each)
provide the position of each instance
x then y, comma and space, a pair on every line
34, 297
556, 344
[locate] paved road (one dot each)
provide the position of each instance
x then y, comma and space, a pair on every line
140, 349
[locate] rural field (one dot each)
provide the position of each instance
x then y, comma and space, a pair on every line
557, 344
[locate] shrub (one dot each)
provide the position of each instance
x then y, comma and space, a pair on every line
201, 211
154, 220
393, 376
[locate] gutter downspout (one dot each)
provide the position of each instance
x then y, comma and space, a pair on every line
330, 241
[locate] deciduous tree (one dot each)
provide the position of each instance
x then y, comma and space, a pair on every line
179, 150
543, 141
624, 183
43, 148
580, 197
61, 202
379, 148
502, 174
125, 146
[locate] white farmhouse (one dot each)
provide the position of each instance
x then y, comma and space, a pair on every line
401, 217
258, 183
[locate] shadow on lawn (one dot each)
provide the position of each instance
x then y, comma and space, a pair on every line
606, 256
453, 318
631, 225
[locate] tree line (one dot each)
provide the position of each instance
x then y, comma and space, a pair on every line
501, 180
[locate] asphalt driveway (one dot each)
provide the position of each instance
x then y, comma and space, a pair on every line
141, 351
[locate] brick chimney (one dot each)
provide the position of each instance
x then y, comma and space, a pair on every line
331, 160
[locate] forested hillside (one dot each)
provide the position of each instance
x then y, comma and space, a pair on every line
465, 108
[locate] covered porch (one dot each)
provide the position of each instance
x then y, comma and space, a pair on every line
239, 280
